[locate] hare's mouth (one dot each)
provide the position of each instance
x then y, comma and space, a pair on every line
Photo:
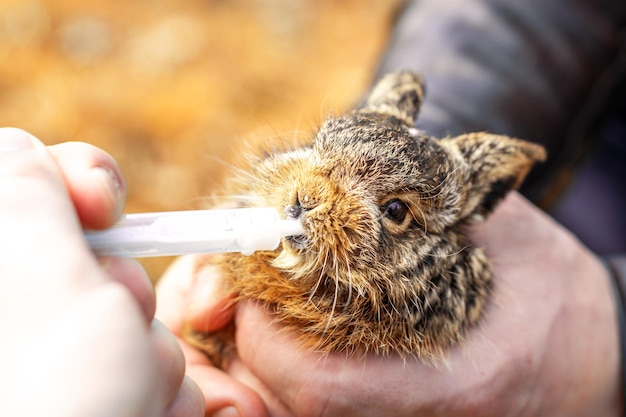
298, 241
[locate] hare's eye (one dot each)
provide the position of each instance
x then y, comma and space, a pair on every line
396, 210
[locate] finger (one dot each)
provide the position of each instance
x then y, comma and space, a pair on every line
210, 302
220, 391
36, 215
191, 291
172, 291
223, 394
259, 340
273, 401
170, 360
189, 402
131, 274
94, 181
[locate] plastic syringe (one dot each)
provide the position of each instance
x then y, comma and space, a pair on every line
143, 235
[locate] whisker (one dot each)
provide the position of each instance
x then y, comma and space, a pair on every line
349, 273
319, 280
335, 297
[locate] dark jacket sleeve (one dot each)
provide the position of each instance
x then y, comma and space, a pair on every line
487, 61
617, 265
528, 69
617, 269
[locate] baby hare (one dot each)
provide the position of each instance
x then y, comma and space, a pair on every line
384, 264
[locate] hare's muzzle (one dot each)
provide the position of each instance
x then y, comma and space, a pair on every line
298, 241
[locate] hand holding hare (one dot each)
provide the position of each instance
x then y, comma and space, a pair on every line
384, 264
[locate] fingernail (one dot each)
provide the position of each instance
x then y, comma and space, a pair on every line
111, 185
226, 412
13, 139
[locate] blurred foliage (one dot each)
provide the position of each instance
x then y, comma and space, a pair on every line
171, 88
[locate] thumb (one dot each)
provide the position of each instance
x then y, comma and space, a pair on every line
41, 235
192, 291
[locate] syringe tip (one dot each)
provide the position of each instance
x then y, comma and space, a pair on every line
290, 227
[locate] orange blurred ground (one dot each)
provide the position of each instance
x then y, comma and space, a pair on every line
170, 88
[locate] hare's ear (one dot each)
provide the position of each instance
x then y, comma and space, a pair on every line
399, 94
497, 165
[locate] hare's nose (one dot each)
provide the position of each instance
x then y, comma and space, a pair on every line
298, 208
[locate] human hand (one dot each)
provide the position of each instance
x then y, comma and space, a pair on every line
547, 345
78, 336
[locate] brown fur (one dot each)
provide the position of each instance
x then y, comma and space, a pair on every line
364, 277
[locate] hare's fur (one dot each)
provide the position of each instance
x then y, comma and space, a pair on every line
385, 264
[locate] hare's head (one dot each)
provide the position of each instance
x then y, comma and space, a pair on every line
373, 193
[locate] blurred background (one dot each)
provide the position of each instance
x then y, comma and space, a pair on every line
170, 88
